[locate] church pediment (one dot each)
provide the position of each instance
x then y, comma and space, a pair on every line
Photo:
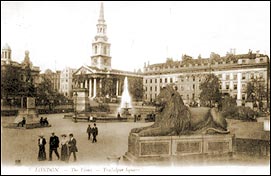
84, 70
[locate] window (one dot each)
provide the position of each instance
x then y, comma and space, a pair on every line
235, 86
150, 88
193, 78
243, 75
66, 80
165, 80
244, 86
227, 77
227, 86
155, 80
261, 59
96, 48
193, 86
155, 88
235, 76
243, 96
252, 76
146, 81
187, 96
161, 80
171, 80
104, 50
260, 75
220, 86
150, 80
193, 96
235, 96
243, 61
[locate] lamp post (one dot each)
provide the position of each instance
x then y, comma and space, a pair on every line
75, 105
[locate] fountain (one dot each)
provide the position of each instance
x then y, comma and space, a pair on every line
126, 102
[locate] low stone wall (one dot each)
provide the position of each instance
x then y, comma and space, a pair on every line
26, 126
147, 148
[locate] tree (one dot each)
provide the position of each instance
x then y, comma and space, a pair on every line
256, 91
10, 82
136, 88
108, 88
44, 92
210, 90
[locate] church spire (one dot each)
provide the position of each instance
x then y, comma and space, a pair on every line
100, 47
101, 17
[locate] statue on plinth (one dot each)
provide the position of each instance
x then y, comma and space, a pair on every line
175, 118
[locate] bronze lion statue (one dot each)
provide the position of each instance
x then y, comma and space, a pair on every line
175, 118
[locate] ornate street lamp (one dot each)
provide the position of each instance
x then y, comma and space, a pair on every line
75, 105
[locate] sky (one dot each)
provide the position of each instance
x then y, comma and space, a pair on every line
60, 34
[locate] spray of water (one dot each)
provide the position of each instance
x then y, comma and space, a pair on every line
125, 97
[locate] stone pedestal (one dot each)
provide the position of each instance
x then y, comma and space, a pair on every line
82, 100
151, 148
29, 113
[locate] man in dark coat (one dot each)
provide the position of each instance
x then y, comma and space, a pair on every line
89, 131
94, 133
72, 147
54, 144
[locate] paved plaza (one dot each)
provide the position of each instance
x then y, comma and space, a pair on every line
21, 144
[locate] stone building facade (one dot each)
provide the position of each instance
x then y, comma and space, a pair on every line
15, 77
66, 82
233, 71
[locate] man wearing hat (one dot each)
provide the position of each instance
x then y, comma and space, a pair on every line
54, 144
41, 143
72, 146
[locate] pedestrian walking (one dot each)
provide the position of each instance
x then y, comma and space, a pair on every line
89, 131
64, 148
54, 144
94, 133
41, 144
72, 147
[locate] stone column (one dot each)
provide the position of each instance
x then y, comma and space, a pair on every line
90, 88
239, 89
94, 88
86, 83
117, 88
100, 87
81, 85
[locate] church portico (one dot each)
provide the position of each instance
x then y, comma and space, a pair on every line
99, 79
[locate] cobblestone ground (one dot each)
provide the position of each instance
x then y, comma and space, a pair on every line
21, 144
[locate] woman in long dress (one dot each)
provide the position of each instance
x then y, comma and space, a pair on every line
41, 144
64, 148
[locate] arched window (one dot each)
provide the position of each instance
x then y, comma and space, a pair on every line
105, 50
96, 48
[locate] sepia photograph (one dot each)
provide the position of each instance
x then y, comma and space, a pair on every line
135, 88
